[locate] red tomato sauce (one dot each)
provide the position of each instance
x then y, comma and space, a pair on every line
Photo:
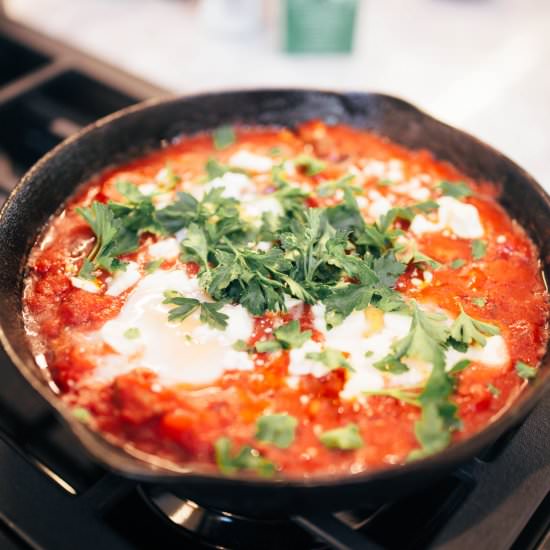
181, 422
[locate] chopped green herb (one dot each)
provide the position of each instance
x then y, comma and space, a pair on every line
346, 438
425, 341
458, 263
247, 458
209, 311
479, 302
493, 390
81, 414
525, 371
458, 190
409, 396
369, 353
468, 330
278, 429
112, 239
331, 358
275, 151
241, 345
153, 265
311, 165
459, 366
479, 249
268, 346
289, 336
132, 333
223, 137
385, 183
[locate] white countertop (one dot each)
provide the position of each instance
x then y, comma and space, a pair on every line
481, 65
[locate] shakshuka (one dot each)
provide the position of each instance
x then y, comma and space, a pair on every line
292, 303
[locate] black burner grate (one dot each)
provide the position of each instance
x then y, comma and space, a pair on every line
52, 496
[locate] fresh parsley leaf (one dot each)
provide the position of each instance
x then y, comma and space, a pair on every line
209, 311
330, 187
153, 265
459, 366
247, 458
112, 239
241, 345
468, 330
479, 249
493, 390
82, 414
331, 358
409, 396
215, 169
195, 245
479, 302
268, 346
458, 263
211, 315
87, 270
346, 438
279, 429
311, 165
425, 341
223, 137
525, 371
290, 336
132, 333
458, 189
185, 306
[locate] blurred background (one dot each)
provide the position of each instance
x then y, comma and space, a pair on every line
481, 65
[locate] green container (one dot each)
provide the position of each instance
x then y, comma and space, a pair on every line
320, 26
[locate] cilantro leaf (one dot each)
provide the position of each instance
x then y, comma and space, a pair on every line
247, 458
153, 265
311, 165
425, 341
457, 263
291, 336
467, 330
112, 239
211, 314
458, 189
195, 245
331, 358
479, 249
223, 137
132, 333
268, 346
346, 438
459, 366
185, 306
209, 311
525, 371
279, 429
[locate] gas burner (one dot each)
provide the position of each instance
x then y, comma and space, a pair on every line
219, 529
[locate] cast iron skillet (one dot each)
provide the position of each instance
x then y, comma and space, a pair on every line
132, 132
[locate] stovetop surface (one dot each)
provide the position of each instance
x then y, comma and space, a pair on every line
53, 496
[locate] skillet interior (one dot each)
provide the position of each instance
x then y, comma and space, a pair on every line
134, 131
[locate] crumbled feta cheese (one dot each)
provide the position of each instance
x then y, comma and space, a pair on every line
165, 248
88, 285
251, 161
123, 280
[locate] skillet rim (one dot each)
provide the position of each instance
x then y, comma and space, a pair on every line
126, 464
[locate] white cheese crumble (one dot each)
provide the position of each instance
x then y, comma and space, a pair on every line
91, 286
461, 218
251, 161
123, 280
165, 248
235, 186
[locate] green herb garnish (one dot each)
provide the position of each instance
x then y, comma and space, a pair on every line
458, 263
346, 438
479, 249
247, 458
311, 165
458, 189
525, 371
223, 137
153, 265
209, 311
467, 330
331, 358
132, 333
278, 429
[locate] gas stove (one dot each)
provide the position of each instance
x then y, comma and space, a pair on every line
53, 496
